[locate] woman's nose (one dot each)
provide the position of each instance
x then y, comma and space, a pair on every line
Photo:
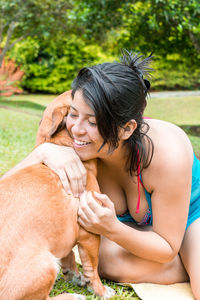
78, 128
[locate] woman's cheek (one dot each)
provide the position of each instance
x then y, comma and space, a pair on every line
69, 123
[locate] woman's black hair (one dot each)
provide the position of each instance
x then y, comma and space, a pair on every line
117, 93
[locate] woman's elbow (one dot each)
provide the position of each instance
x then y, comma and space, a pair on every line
167, 256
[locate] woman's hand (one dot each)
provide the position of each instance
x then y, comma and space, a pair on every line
95, 217
66, 164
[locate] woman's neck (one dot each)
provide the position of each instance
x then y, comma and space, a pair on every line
116, 160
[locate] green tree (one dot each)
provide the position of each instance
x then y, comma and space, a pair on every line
94, 19
20, 19
164, 26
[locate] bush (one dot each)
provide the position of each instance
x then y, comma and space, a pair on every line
50, 68
173, 73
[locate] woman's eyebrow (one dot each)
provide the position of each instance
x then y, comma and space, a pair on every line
90, 115
73, 108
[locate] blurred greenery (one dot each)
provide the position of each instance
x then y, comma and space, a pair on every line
17, 135
178, 110
87, 32
50, 68
40, 19
182, 111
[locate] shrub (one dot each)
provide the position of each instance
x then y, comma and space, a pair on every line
174, 73
50, 68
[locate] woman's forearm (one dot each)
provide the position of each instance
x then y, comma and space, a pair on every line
101, 219
145, 244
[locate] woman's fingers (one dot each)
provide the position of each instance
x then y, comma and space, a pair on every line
105, 200
75, 179
81, 176
83, 172
67, 164
86, 216
91, 207
93, 216
65, 182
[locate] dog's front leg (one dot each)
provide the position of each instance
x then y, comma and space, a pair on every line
70, 270
88, 244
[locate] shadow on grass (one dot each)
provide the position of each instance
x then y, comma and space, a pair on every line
191, 129
22, 104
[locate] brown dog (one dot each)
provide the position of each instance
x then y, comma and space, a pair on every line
38, 224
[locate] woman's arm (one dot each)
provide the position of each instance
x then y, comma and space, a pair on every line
170, 204
62, 160
101, 219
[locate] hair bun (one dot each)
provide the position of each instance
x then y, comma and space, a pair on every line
138, 64
147, 84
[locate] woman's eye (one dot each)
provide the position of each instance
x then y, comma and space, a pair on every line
72, 115
92, 123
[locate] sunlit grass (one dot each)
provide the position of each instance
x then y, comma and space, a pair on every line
178, 110
17, 137
182, 111
35, 98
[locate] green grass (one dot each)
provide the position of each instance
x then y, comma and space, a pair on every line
183, 111
19, 120
17, 137
122, 292
178, 110
34, 98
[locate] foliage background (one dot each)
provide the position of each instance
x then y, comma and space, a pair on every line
69, 34
52, 39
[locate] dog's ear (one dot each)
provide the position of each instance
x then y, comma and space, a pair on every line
58, 123
53, 118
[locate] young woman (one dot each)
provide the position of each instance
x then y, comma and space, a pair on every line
148, 175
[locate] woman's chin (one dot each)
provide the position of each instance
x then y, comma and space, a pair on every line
84, 156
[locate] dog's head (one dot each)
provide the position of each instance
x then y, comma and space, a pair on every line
53, 126
53, 129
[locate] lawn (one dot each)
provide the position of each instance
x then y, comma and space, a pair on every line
19, 120
182, 111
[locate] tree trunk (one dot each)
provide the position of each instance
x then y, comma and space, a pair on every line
194, 40
1, 59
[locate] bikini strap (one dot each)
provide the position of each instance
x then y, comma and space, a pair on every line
138, 183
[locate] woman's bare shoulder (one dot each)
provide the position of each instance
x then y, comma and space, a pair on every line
168, 138
172, 149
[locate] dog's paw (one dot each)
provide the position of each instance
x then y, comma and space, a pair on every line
109, 293
75, 278
80, 280
105, 294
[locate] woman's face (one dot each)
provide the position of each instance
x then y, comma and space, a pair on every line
81, 124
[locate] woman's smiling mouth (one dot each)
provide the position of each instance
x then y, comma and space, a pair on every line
78, 143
